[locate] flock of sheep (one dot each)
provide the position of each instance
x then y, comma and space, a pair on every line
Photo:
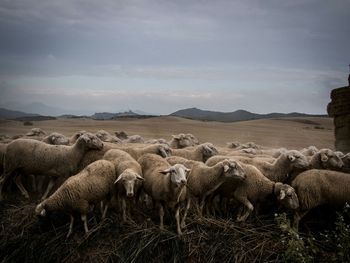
101, 169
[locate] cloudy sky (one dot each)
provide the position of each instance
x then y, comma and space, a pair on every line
160, 56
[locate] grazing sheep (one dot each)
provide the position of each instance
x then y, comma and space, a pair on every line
76, 136
128, 174
199, 153
203, 180
309, 151
33, 157
135, 139
277, 171
319, 187
121, 135
89, 187
36, 132
326, 159
165, 184
107, 137
256, 188
183, 140
56, 139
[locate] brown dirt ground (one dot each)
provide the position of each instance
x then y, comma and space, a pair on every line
291, 133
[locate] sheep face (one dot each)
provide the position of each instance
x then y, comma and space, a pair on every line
297, 159
182, 141
286, 196
178, 174
91, 141
128, 179
164, 150
312, 150
208, 151
234, 170
40, 210
330, 160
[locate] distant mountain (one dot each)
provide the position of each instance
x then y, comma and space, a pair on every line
239, 115
109, 116
11, 114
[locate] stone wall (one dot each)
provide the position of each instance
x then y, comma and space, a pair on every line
339, 109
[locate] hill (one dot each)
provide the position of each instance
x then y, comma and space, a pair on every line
11, 114
239, 115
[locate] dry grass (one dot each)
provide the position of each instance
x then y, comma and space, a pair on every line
289, 132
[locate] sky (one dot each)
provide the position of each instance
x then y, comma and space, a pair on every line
160, 56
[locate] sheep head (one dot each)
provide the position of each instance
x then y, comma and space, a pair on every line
128, 179
182, 141
208, 150
330, 160
164, 150
232, 169
297, 159
178, 174
233, 145
286, 195
90, 141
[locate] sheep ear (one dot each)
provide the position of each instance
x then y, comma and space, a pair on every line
43, 212
226, 168
165, 171
291, 158
282, 195
139, 177
187, 170
207, 148
324, 158
118, 179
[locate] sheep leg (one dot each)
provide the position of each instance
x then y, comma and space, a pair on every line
84, 219
33, 181
249, 207
298, 215
124, 209
177, 217
105, 211
70, 226
20, 186
161, 216
101, 207
40, 184
188, 204
201, 206
3, 180
48, 189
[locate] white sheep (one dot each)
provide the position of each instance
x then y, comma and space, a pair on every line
326, 159
165, 184
309, 151
56, 138
107, 137
36, 132
34, 157
76, 136
128, 174
319, 187
203, 180
135, 139
89, 187
278, 171
200, 153
183, 140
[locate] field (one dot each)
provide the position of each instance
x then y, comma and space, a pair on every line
291, 133
264, 238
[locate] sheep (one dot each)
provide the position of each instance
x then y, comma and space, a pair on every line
200, 153
76, 136
165, 184
36, 132
256, 187
128, 174
203, 180
326, 159
107, 137
135, 152
89, 187
157, 141
121, 135
233, 145
33, 157
183, 140
309, 151
277, 171
135, 139
346, 161
56, 139
319, 187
